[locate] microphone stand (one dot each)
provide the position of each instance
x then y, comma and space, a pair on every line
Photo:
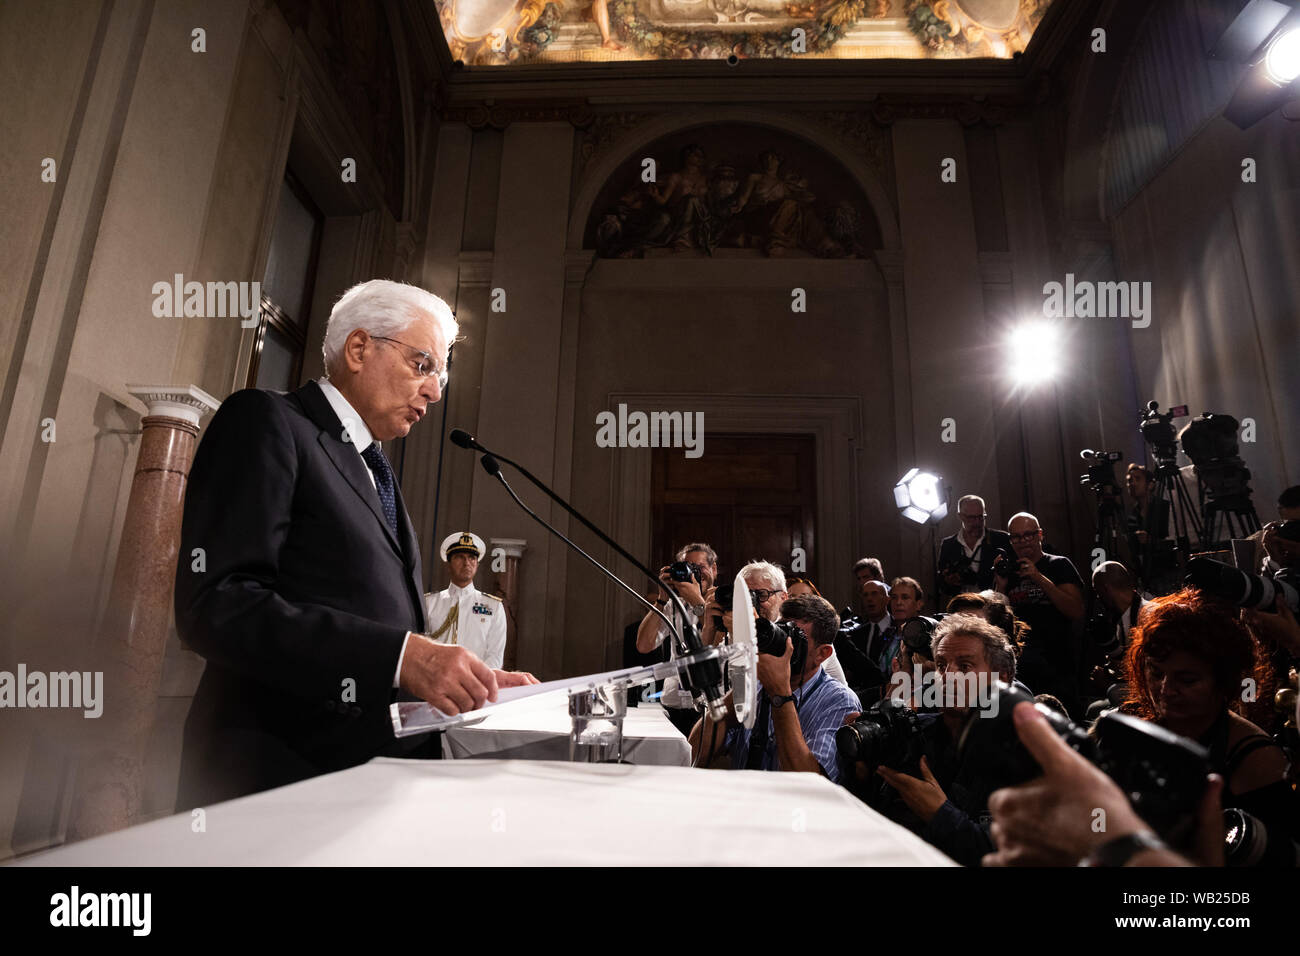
598, 713
688, 640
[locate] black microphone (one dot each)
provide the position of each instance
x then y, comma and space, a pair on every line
493, 468
704, 677
464, 439
690, 637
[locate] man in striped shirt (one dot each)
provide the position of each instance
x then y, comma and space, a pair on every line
798, 714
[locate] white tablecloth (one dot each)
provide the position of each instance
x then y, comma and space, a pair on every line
537, 728
521, 812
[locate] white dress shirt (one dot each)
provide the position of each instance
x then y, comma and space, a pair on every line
480, 625
355, 428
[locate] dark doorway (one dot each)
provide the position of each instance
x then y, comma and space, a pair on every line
750, 496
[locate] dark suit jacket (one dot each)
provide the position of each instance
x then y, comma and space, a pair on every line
950, 550
305, 588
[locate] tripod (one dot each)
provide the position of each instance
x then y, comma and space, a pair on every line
1111, 532
1225, 483
1236, 512
1172, 489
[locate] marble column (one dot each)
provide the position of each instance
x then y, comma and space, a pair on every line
132, 640
508, 587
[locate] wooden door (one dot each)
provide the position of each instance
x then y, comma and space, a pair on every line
752, 497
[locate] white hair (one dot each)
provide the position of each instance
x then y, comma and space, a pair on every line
382, 307
774, 576
965, 498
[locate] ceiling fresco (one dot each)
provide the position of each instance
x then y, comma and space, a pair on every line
508, 32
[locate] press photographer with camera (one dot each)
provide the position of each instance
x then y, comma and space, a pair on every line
1119, 603
1046, 593
690, 576
801, 706
1148, 524
1190, 663
925, 783
966, 558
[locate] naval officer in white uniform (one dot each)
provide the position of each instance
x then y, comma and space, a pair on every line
462, 614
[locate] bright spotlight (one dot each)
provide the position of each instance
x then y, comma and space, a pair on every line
1282, 62
920, 498
1033, 353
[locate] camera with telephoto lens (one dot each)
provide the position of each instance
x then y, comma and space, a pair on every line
1162, 774
960, 565
770, 638
683, 571
1247, 842
1215, 579
887, 734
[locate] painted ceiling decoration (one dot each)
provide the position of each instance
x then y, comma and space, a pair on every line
505, 32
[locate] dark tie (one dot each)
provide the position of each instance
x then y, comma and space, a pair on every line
379, 467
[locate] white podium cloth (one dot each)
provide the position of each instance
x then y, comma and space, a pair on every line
537, 728
521, 812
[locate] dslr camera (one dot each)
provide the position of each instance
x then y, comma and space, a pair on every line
887, 734
770, 638
683, 571
1163, 774
1007, 565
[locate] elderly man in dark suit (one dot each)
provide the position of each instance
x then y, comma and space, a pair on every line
299, 575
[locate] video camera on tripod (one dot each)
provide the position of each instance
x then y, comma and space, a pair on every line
1158, 432
1100, 479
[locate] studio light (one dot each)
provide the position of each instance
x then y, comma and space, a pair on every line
919, 496
1266, 36
1282, 62
1033, 352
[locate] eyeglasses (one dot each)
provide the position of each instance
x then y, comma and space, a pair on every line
424, 363
761, 595
970, 517
1027, 536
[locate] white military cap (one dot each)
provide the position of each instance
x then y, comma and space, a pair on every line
466, 542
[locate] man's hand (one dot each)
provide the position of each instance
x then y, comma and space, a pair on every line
1049, 821
446, 675
923, 795
1280, 628
774, 672
999, 583
514, 678
952, 578
709, 632
1030, 570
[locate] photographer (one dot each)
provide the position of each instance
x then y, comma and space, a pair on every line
1121, 602
1148, 532
966, 558
944, 800
1188, 665
800, 706
700, 570
1046, 593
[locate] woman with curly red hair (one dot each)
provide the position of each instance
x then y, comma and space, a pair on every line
1189, 664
